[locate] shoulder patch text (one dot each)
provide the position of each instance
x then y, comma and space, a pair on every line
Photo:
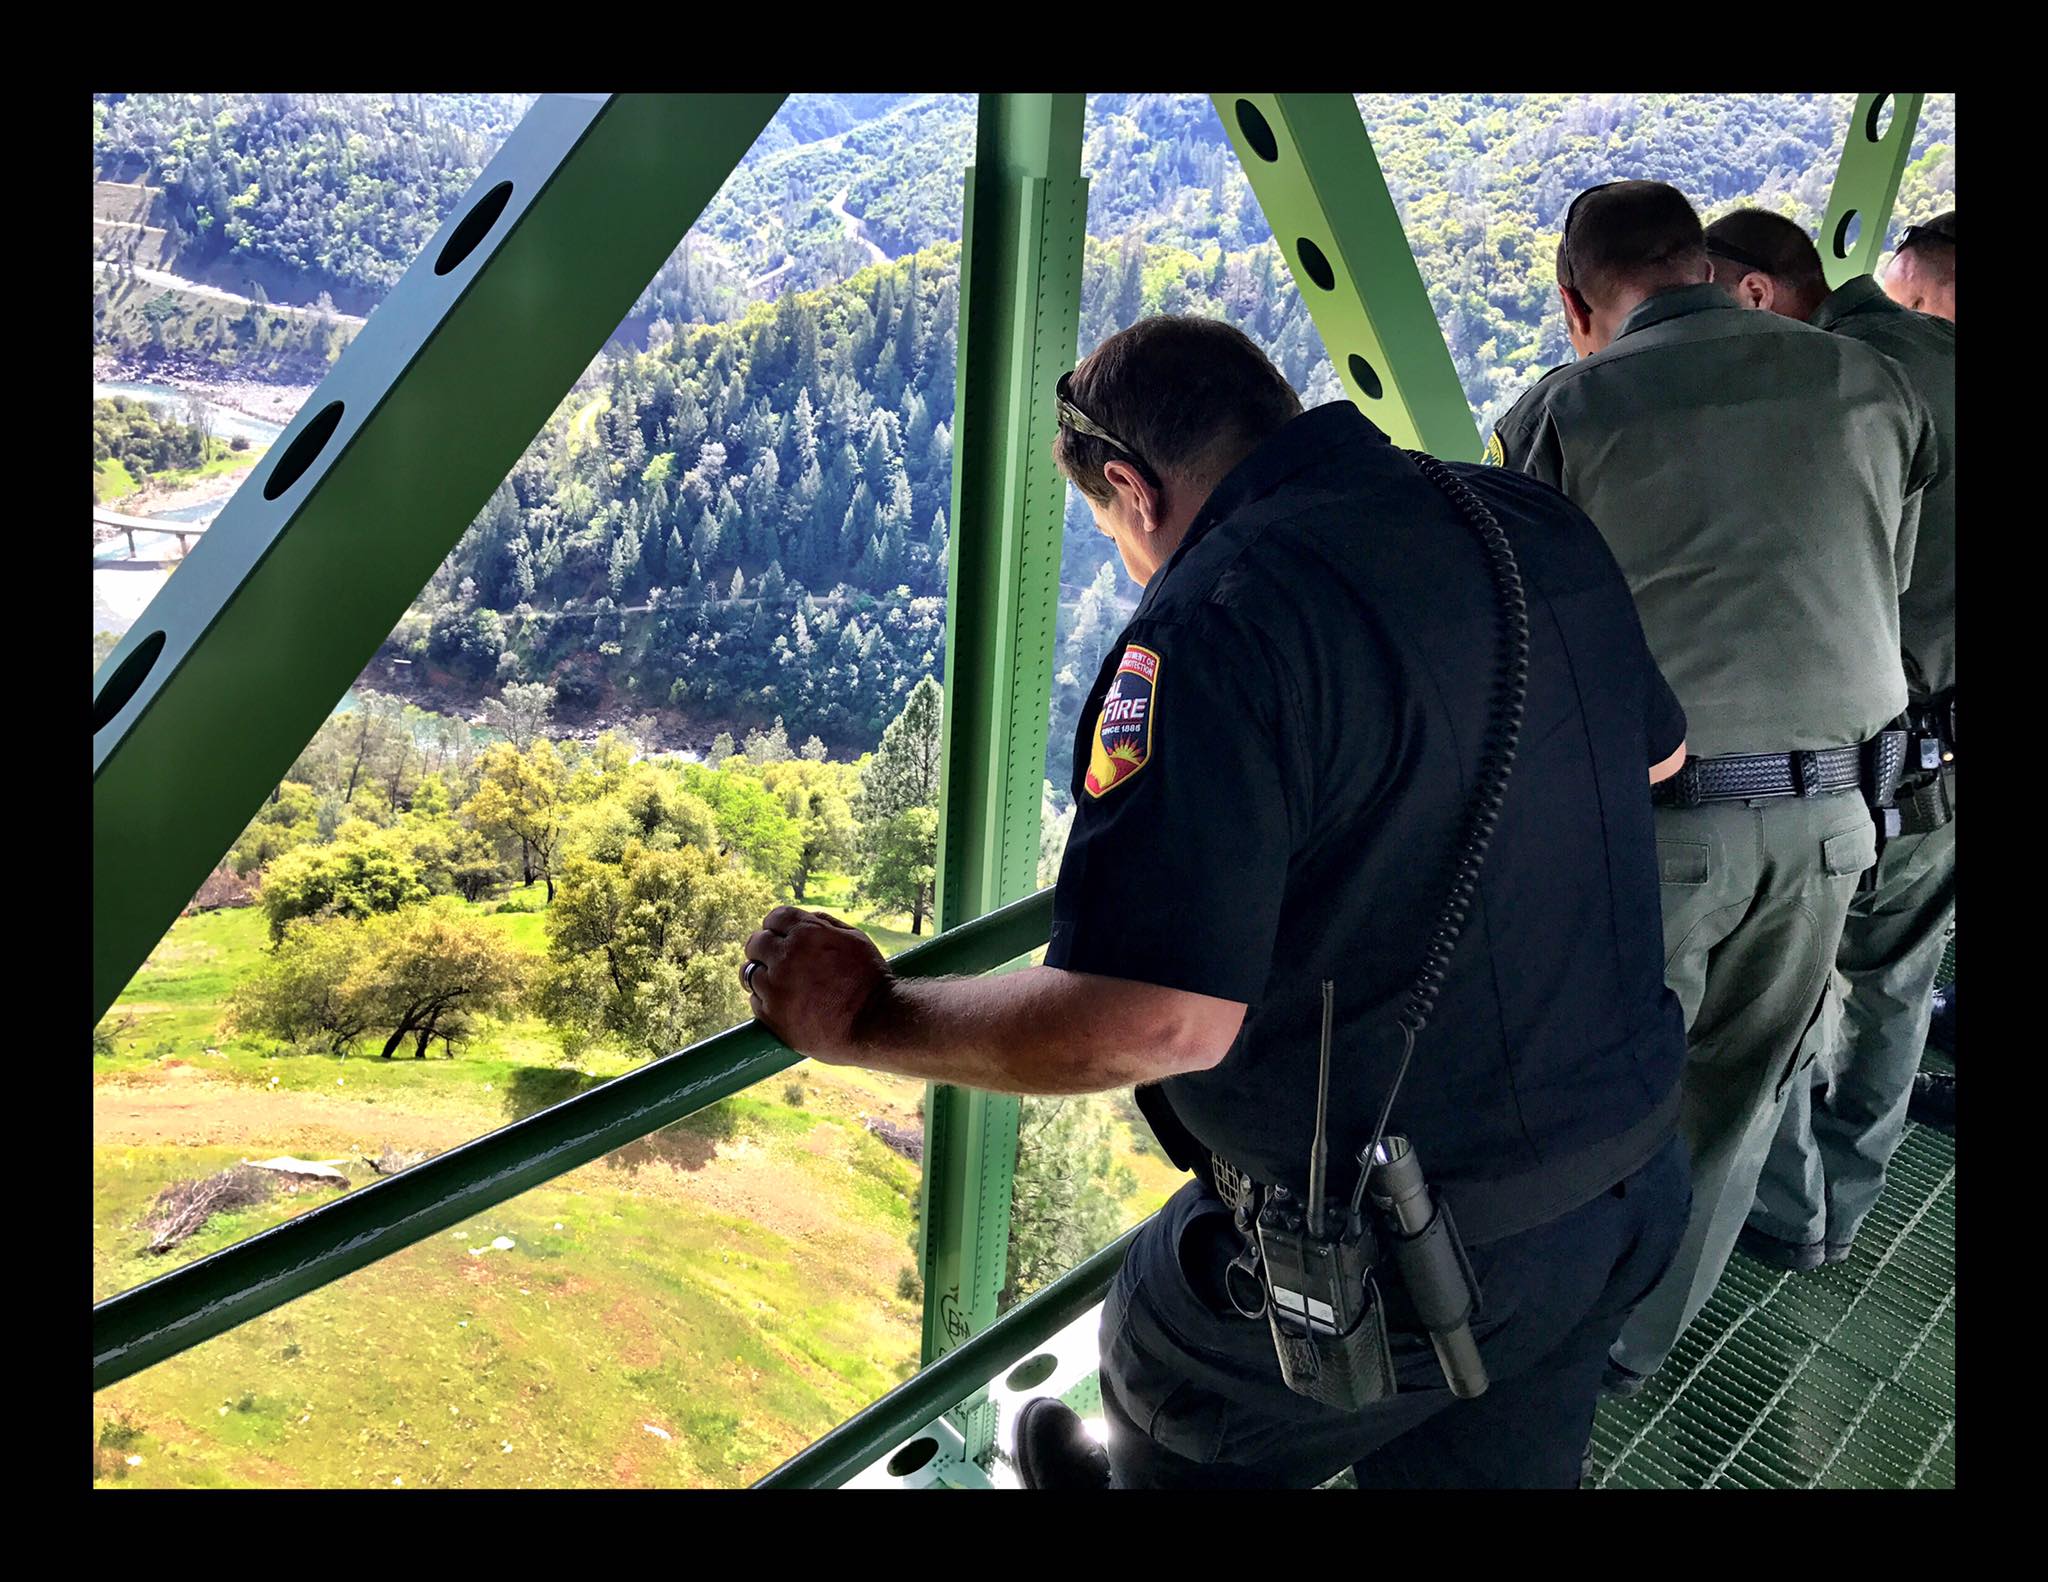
1123, 728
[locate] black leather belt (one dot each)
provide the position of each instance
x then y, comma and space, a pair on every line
1752, 775
1495, 1210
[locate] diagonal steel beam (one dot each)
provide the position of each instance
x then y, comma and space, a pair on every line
1313, 169
1874, 159
1020, 299
231, 669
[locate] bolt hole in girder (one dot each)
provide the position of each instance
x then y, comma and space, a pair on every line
912, 1456
1314, 264
475, 226
1366, 377
1879, 121
300, 455
1257, 131
1032, 1372
1847, 230
126, 681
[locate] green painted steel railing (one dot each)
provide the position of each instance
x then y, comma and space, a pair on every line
171, 1314
963, 1371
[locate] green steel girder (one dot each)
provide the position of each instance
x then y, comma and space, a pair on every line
192, 1304
1311, 165
1022, 236
212, 694
856, 1443
1874, 158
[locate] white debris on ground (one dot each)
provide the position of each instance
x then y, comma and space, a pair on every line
135, 1461
313, 1169
504, 1244
658, 1433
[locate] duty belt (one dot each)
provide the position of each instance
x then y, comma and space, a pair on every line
1752, 775
1495, 1210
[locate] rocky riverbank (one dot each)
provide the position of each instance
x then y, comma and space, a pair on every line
270, 403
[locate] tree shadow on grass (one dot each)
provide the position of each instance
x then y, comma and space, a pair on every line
688, 1144
532, 1089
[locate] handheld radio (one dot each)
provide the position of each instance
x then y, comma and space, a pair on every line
1314, 1261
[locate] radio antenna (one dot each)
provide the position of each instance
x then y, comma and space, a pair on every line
1319, 1150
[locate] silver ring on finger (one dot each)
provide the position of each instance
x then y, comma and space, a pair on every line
747, 975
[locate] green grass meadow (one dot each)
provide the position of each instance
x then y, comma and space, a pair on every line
687, 1312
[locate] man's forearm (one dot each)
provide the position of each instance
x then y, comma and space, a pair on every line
1038, 1030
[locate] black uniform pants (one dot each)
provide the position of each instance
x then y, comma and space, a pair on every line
1194, 1398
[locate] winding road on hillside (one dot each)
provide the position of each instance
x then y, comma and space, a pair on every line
171, 282
856, 228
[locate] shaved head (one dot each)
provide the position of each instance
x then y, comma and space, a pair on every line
1922, 273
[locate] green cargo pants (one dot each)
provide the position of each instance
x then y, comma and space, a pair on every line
1755, 895
1826, 1167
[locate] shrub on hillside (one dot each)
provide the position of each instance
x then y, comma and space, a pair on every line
107, 1031
425, 973
369, 873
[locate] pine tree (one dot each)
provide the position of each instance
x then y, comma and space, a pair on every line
1130, 288
858, 525
704, 544
804, 431
625, 556
910, 326
739, 584
689, 427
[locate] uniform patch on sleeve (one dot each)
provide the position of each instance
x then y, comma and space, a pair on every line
1496, 454
1123, 728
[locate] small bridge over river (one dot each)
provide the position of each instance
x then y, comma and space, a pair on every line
105, 523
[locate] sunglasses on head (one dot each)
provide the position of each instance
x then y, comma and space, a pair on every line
1736, 255
1080, 422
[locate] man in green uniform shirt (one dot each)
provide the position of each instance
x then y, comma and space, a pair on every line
1759, 482
1828, 1163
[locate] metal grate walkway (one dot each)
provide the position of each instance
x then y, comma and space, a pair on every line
1842, 1378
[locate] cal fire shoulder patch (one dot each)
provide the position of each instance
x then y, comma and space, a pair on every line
1123, 728
1496, 453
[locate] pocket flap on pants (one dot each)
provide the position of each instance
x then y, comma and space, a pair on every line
1851, 851
1682, 861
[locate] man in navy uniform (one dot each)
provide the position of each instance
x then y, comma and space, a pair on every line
1272, 778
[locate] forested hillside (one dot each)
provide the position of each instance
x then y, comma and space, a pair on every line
741, 512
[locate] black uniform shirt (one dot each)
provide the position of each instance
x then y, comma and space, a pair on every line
1271, 773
